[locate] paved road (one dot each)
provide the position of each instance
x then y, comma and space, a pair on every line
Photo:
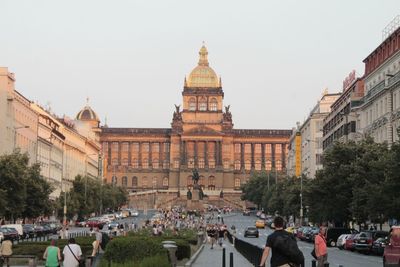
336, 257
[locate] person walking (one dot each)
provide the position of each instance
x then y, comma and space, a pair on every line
97, 243
5, 251
283, 246
52, 255
320, 247
72, 254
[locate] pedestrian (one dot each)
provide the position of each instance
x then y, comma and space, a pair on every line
52, 255
5, 251
221, 233
320, 247
279, 242
72, 254
97, 243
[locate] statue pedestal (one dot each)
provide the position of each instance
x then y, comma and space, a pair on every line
195, 203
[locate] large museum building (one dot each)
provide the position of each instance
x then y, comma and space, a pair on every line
201, 136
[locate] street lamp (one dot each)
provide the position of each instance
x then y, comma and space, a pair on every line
301, 200
15, 133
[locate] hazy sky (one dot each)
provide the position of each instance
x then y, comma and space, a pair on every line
130, 57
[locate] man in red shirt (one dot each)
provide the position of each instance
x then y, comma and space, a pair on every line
320, 247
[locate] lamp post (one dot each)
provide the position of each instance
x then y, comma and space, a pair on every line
301, 200
15, 134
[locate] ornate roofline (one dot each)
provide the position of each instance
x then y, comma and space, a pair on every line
133, 131
261, 132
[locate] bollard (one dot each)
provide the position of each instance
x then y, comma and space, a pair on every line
313, 263
326, 264
223, 258
231, 259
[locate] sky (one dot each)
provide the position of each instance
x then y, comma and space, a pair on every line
130, 57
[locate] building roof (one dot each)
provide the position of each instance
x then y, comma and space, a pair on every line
203, 76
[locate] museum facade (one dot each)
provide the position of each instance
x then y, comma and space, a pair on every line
201, 136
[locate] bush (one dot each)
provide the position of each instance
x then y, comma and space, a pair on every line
160, 260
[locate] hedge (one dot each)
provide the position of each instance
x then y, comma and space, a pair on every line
137, 248
38, 248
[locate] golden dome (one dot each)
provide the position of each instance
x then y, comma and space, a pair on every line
87, 114
203, 75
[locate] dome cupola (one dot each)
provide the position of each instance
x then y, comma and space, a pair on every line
203, 76
87, 114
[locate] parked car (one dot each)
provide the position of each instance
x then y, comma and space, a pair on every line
39, 230
363, 242
17, 227
349, 245
311, 233
260, 224
378, 246
246, 213
391, 255
251, 231
302, 235
341, 241
333, 233
94, 222
9, 233
29, 230
135, 213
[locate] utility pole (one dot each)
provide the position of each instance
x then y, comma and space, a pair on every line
301, 200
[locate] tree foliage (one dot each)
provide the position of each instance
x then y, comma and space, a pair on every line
360, 182
87, 195
23, 191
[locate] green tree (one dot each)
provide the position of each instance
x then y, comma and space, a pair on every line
391, 187
254, 189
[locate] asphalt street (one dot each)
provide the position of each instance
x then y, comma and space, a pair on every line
336, 257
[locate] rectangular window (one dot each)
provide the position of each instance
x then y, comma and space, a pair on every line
125, 147
247, 148
176, 163
135, 147
145, 147
237, 148
257, 148
237, 165
114, 147
166, 147
156, 148
211, 163
201, 163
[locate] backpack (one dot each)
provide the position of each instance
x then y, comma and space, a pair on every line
287, 245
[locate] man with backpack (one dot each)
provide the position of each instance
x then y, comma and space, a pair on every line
285, 252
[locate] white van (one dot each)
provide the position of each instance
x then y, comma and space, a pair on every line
17, 227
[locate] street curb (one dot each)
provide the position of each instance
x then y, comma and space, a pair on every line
194, 257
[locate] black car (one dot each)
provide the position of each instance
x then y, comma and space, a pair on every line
378, 246
39, 230
28, 230
251, 231
333, 233
310, 234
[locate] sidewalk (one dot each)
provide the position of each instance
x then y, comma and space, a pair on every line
213, 257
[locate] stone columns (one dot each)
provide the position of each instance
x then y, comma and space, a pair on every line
129, 154
252, 156
263, 156
196, 160
150, 155
119, 153
241, 156
273, 155
206, 154
140, 155
109, 153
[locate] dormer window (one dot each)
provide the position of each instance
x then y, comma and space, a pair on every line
192, 104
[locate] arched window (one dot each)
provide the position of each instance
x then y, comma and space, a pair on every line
114, 180
203, 104
237, 165
165, 182
192, 104
124, 181
247, 165
134, 181
135, 163
201, 163
213, 104
211, 183
154, 182
237, 183
144, 182
155, 164
258, 165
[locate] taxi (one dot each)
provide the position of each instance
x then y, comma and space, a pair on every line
260, 224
